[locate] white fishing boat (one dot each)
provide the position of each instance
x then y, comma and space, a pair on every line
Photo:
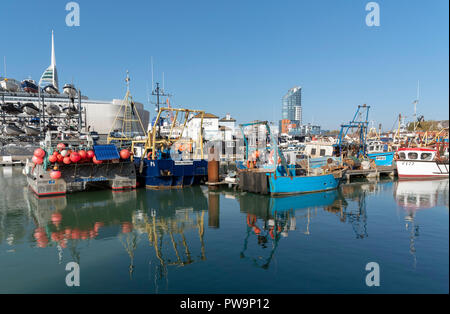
11, 108
421, 163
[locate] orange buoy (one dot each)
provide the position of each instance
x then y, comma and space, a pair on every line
61, 146
124, 154
52, 158
39, 152
37, 160
66, 160
97, 162
55, 174
82, 154
75, 157
90, 154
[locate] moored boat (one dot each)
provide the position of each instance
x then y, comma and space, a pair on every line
376, 151
421, 163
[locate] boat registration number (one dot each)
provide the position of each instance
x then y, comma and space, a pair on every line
381, 158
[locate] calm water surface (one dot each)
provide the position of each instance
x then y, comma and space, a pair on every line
195, 241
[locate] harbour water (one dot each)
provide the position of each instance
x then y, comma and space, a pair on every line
197, 241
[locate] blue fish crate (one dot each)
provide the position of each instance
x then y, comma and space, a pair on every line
106, 152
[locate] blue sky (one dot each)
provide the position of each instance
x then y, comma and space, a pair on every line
241, 56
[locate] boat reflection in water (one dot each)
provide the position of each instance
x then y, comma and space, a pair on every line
269, 219
161, 217
413, 196
166, 217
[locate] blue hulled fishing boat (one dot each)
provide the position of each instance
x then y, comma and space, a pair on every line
267, 171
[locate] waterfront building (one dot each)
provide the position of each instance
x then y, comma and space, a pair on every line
210, 127
292, 105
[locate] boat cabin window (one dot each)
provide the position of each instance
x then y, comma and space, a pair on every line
313, 151
412, 155
426, 156
402, 155
322, 152
370, 148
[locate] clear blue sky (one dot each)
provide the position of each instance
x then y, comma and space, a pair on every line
241, 56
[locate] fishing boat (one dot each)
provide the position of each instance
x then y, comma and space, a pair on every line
69, 89
293, 184
421, 163
153, 157
30, 130
52, 109
376, 150
10, 85
276, 177
11, 108
30, 86
12, 129
30, 109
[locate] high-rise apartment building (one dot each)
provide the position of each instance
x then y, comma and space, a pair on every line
292, 105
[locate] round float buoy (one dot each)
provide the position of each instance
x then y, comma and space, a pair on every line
82, 154
55, 174
61, 146
75, 157
39, 152
97, 162
37, 160
90, 154
66, 160
52, 158
59, 158
124, 154
64, 153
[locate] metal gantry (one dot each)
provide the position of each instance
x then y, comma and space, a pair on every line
359, 122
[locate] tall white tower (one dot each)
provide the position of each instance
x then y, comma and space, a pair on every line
50, 75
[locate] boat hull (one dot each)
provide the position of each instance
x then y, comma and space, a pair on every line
168, 174
285, 185
382, 159
407, 169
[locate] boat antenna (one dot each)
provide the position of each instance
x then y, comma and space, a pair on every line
415, 102
151, 65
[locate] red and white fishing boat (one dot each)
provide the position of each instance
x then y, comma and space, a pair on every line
421, 163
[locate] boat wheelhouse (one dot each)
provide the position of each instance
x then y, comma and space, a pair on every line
421, 163
376, 150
